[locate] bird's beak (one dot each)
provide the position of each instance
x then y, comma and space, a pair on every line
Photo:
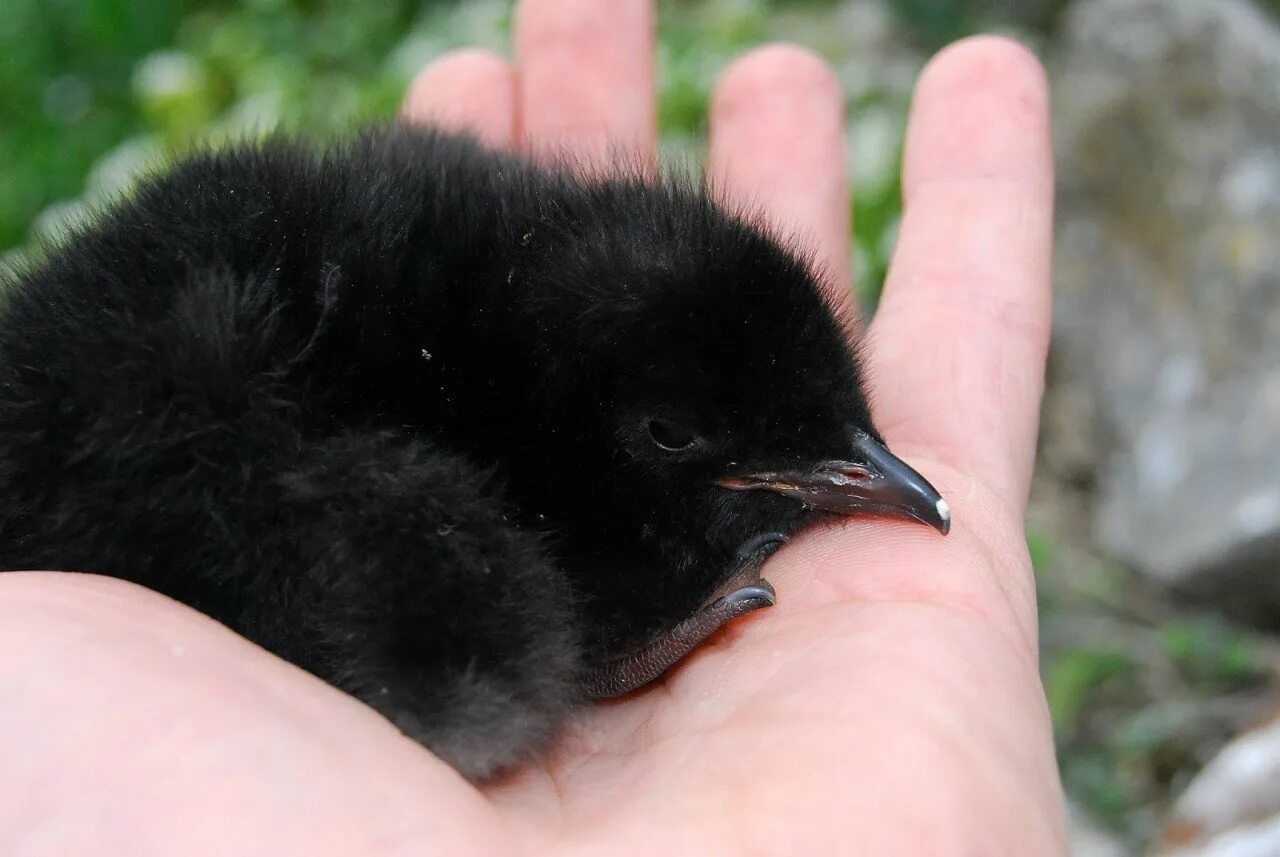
878, 483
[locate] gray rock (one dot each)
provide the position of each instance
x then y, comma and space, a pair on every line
1232, 807
1168, 285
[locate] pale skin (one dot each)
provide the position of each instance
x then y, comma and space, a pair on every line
889, 704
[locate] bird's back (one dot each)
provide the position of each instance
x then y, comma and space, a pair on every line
234, 307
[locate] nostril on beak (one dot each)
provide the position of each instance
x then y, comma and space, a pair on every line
854, 471
845, 472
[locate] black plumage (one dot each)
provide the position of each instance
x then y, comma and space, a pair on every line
463, 436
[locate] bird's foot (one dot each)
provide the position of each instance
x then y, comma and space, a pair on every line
742, 593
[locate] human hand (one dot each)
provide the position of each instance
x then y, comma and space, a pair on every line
890, 702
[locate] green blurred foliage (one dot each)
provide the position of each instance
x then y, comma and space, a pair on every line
65, 97
94, 91
935, 23
1210, 653
877, 208
1070, 681
1141, 690
79, 77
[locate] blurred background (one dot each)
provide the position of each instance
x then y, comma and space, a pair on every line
1155, 521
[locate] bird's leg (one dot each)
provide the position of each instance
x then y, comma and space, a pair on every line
744, 592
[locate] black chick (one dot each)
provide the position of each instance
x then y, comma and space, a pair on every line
470, 439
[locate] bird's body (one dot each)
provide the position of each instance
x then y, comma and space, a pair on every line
449, 430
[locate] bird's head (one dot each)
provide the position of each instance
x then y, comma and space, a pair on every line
716, 395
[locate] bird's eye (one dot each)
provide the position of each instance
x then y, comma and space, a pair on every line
671, 436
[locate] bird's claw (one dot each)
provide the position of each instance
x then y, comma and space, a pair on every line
758, 548
744, 592
745, 599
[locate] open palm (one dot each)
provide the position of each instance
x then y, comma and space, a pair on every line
889, 704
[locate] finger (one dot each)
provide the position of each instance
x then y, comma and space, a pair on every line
466, 90
586, 87
960, 336
777, 145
